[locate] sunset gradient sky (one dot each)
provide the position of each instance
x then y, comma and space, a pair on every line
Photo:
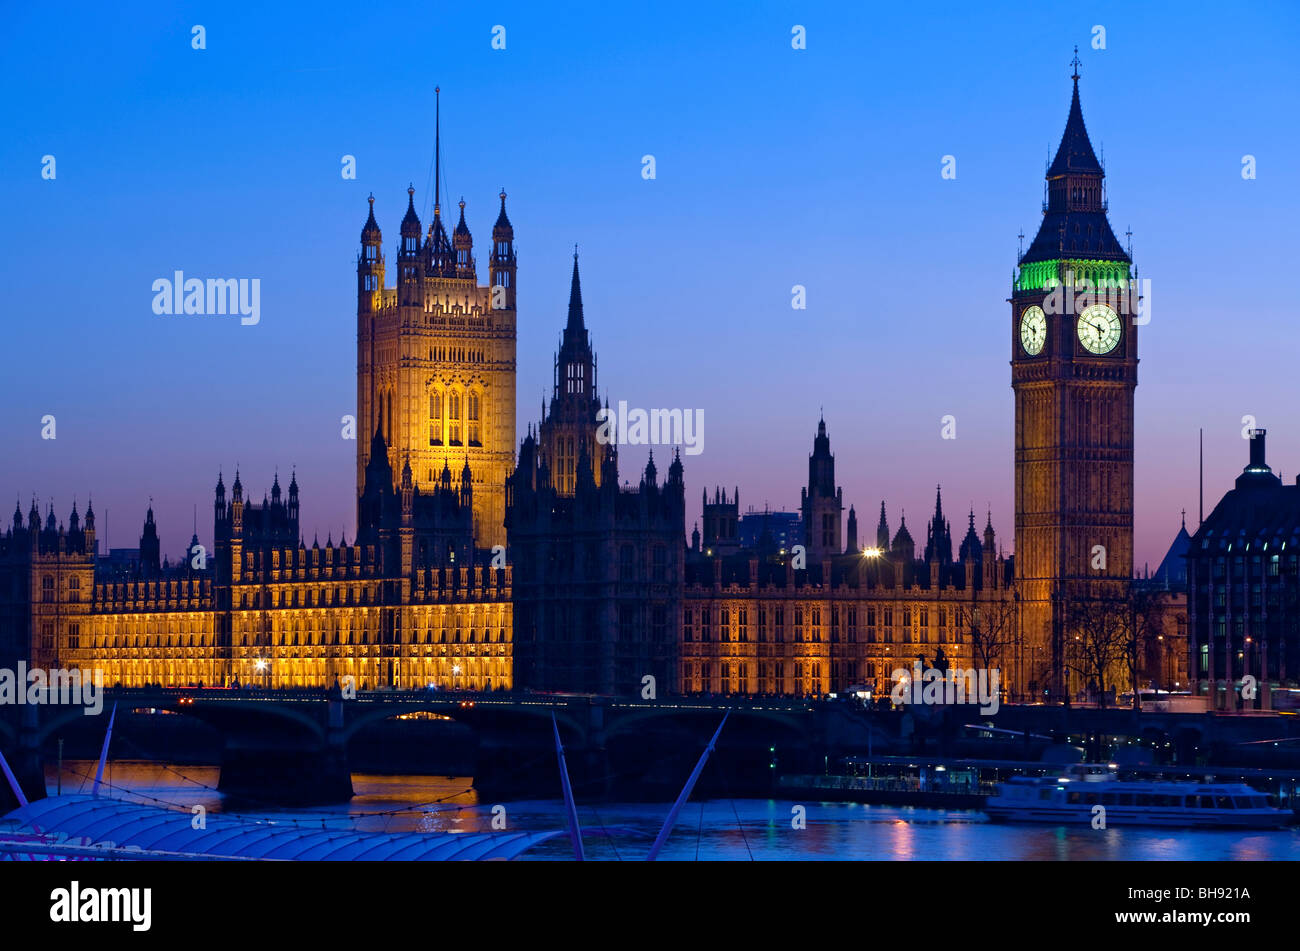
775, 167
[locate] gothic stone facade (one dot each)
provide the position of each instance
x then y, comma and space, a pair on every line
598, 568
264, 609
834, 617
436, 358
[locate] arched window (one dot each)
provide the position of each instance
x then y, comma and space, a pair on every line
47, 588
453, 418
435, 418
475, 412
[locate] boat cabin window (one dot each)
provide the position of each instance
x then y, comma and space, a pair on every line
1223, 802
1190, 802
1207, 802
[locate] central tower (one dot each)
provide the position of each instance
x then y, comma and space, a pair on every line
1073, 371
436, 356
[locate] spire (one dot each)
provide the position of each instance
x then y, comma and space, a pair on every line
441, 258
575, 297
437, 147
903, 543
410, 221
370, 233
503, 222
938, 536
1075, 154
1074, 222
674, 470
971, 549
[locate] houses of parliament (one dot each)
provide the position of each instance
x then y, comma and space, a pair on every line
484, 561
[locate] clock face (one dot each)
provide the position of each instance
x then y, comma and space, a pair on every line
1033, 330
1099, 328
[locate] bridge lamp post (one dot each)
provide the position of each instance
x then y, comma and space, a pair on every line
263, 667
455, 675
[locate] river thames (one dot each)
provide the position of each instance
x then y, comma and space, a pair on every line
716, 829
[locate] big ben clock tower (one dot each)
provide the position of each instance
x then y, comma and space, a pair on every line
1073, 371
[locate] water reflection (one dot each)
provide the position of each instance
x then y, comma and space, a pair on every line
721, 829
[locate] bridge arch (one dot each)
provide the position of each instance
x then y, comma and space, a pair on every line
475, 717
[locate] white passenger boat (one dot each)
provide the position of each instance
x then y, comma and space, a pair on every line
1073, 798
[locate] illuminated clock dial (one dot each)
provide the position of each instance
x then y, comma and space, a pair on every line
1099, 328
1033, 330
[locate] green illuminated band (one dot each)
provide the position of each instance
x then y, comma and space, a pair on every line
1044, 275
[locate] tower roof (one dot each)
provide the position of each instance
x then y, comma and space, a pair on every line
370, 233
902, 536
1075, 153
1074, 217
442, 261
1173, 567
1258, 510
575, 322
411, 221
822, 441
971, 548
503, 222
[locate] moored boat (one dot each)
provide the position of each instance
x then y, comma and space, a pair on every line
1094, 796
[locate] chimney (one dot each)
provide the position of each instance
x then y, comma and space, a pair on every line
1257, 449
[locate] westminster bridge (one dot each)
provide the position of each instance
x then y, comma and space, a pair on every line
292, 746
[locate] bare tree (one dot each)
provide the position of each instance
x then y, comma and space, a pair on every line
1098, 634
991, 627
1143, 628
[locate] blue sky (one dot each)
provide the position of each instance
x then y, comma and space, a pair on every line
775, 167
